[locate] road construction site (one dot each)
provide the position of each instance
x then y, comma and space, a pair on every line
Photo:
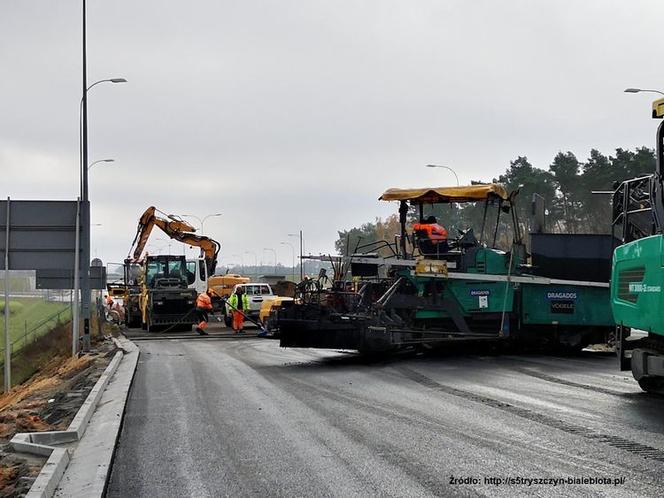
479, 361
413, 369
244, 417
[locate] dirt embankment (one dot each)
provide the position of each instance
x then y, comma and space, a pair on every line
47, 401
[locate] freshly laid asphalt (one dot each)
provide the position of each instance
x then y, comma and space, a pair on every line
244, 417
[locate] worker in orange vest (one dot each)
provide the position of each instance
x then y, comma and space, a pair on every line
203, 307
437, 234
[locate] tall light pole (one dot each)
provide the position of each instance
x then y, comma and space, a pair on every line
83, 115
101, 161
85, 197
89, 168
168, 243
201, 221
275, 258
292, 258
255, 260
445, 167
639, 90
301, 253
85, 211
241, 260
95, 225
156, 249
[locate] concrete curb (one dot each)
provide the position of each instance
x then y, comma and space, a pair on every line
91, 460
41, 443
51, 473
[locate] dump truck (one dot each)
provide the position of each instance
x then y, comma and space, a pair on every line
638, 271
411, 293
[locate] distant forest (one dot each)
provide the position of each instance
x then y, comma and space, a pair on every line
566, 187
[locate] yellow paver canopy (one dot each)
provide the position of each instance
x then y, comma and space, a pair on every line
470, 193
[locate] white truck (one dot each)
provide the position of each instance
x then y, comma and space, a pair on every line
257, 293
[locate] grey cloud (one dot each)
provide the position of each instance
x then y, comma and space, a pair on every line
297, 114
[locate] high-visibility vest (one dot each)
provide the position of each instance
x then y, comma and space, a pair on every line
434, 231
203, 301
233, 302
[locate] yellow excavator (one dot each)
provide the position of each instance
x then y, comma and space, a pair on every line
220, 286
177, 229
165, 297
161, 297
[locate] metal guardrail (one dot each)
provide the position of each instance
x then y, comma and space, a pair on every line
38, 330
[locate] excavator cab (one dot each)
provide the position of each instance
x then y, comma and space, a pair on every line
165, 300
166, 271
197, 274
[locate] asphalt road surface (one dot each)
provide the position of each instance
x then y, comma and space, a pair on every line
243, 417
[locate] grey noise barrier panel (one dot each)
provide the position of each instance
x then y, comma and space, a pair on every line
42, 234
64, 279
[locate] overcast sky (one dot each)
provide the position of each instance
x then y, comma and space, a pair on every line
287, 115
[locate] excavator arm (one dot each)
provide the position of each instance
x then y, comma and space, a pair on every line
176, 229
209, 247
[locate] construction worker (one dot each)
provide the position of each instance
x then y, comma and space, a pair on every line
119, 310
435, 233
203, 307
239, 303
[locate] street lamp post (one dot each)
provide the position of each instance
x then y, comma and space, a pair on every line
85, 211
255, 261
156, 249
301, 253
83, 117
97, 224
94, 225
639, 90
168, 243
274, 270
445, 167
201, 221
101, 161
292, 257
241, 260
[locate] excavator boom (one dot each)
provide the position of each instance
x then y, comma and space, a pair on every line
176, 229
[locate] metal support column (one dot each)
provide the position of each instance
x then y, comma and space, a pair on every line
301, 258
8, 342
77, 279
85, 211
